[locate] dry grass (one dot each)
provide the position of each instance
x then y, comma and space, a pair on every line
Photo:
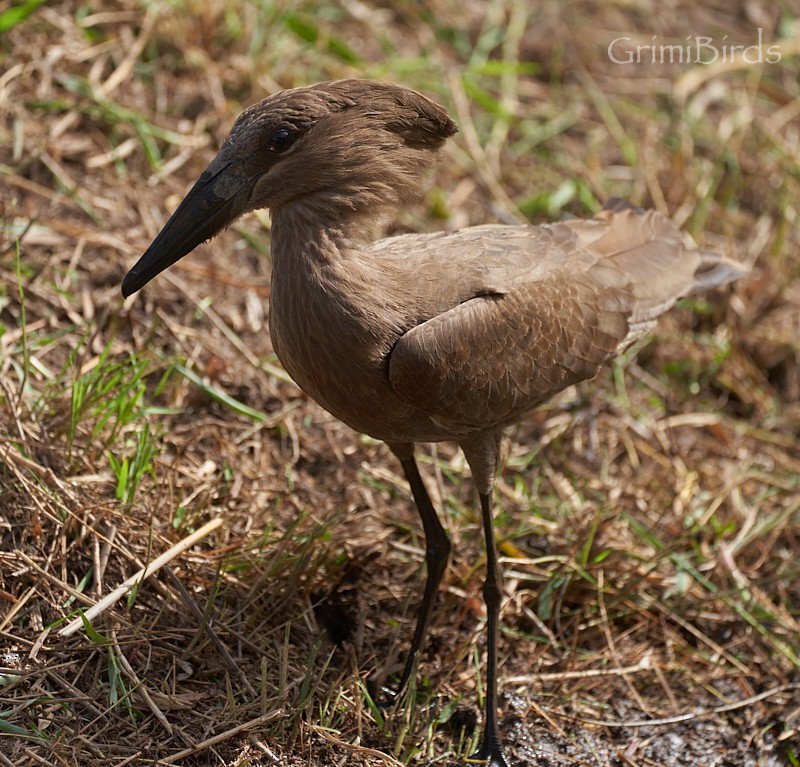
651, 530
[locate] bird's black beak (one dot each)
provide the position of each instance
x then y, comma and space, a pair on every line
201, 215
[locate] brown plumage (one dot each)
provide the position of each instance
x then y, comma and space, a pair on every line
425, 337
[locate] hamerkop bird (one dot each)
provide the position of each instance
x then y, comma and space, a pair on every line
425, 337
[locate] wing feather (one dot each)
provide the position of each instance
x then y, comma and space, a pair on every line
527, 311
492, 358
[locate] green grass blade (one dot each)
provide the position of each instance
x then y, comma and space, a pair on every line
15, 15
220, 396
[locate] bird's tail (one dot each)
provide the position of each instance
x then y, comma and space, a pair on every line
714, 271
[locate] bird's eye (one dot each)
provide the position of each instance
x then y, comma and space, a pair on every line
280, 141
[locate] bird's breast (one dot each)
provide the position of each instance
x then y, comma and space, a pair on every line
336, 351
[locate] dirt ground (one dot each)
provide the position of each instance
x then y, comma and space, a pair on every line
650, 519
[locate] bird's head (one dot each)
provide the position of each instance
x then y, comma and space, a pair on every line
342, 149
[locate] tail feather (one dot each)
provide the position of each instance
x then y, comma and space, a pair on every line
714, 271
659, 264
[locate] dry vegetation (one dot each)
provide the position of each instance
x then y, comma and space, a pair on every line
652, 526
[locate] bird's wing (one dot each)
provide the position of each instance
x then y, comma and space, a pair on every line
492, 358
558, 303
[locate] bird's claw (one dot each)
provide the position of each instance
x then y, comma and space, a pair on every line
487, 756
386, 699
383, 696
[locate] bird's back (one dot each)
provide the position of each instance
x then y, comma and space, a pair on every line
526, 311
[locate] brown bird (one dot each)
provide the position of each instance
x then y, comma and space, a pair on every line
425, 337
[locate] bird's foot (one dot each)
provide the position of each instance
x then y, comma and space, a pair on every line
381, 694
489, 755
386, 697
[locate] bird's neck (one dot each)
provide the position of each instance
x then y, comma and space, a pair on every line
306, 235
319, 304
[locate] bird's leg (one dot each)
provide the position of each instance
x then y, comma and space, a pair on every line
437, 554
491, 750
